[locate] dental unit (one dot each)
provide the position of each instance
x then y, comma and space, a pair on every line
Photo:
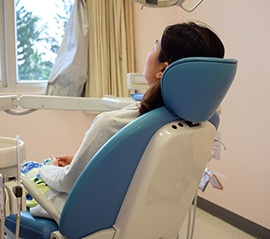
147, 173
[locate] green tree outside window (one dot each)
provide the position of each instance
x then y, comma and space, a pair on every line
33, 63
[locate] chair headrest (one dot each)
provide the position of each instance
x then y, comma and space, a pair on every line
193, 88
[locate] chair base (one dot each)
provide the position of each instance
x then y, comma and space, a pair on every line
104, 234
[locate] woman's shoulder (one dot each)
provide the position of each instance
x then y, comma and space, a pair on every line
131, 112
118, 117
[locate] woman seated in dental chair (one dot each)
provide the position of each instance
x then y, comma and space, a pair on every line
177, 41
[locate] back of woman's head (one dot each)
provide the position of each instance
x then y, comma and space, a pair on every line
189, 40
180, 41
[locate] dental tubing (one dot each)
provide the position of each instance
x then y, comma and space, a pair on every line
18, 189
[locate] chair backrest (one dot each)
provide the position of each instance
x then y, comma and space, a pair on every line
97, 196
165, 181
98, 193
194, 87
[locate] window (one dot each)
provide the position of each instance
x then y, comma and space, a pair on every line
31, 32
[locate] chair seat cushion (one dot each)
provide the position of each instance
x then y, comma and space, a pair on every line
38, 228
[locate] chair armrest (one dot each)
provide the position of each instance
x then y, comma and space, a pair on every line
40, 198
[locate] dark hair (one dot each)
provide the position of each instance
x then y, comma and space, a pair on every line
179, 41
189, 40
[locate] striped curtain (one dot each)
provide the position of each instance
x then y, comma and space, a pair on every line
111, 47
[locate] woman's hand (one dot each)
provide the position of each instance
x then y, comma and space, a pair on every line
62, 160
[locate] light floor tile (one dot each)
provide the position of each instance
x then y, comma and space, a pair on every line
210, 227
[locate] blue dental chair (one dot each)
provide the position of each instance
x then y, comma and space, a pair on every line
141, 183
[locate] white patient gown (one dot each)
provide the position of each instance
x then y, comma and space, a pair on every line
61, 179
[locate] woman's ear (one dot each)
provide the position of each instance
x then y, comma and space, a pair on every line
163, 67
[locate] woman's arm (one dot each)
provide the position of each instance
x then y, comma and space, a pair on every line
102, 129
63, 178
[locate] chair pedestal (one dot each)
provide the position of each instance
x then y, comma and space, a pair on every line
104, 234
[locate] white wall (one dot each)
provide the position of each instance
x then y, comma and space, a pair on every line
47, 132
244, 28
148, 25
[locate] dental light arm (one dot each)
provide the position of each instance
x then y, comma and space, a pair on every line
6, 102
33, 102
59, 102
10, 103
168, 3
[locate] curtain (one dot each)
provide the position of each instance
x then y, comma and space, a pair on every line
69, 73
111, 47
97, 51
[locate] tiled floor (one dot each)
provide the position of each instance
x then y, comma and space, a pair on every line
210, 227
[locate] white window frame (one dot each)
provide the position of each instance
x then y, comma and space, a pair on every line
8, 55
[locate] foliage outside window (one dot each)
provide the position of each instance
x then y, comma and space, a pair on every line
37, 43
31, 32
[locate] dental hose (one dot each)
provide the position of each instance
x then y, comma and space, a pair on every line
18, 190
